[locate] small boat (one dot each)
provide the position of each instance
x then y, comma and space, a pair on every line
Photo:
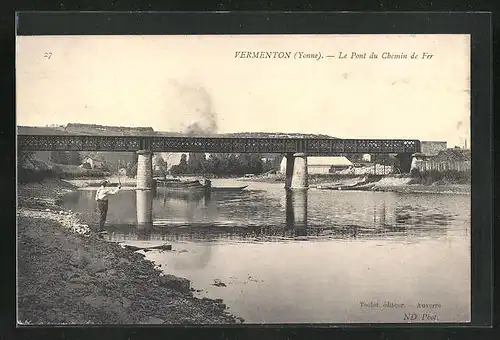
335, 187
163, 179
180, 184
228, 189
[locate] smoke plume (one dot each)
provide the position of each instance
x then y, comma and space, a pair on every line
190, 109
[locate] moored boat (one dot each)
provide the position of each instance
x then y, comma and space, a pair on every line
228, 189
181, 185
176, 184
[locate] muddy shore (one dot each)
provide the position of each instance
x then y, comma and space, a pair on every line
67, 275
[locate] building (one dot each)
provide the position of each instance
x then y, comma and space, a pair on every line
432, 148
93, 163
366, 157
322, 165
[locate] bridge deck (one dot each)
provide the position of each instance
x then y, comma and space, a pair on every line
311, 146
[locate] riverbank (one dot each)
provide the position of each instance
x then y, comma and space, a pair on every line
67, 275
388, 183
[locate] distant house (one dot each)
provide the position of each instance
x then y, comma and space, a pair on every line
322, 165
93, 163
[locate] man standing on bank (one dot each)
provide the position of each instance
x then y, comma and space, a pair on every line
102, 202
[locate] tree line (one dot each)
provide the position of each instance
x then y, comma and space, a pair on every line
221, 164
65, 157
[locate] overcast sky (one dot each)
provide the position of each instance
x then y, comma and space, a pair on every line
170, 82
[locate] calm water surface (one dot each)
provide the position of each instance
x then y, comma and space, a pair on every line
307, 258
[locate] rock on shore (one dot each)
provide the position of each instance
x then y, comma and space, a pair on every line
68, 278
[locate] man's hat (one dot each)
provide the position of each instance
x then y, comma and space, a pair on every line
104, 182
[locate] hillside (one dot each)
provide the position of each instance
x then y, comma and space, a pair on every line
275, 135
32, 167
40, 130
86, 130
100, 130
453, 155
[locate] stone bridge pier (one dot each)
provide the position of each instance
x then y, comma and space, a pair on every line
144, 170
296, 171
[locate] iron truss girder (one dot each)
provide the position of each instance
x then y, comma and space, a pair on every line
309, 146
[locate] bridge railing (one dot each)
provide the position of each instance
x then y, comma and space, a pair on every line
310, 146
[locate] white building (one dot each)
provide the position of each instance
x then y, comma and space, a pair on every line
322, 165
93, 162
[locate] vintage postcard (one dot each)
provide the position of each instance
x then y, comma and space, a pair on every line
255, 179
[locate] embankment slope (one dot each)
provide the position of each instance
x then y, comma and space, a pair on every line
67, 278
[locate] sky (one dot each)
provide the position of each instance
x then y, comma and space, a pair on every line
173, 82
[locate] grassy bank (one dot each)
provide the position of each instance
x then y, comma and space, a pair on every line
59, 172
70, 278
435, 177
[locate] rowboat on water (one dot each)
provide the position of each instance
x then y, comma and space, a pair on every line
182, 185
194, 186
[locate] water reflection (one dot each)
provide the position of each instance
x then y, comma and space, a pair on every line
296, 211
271, 215
345, 246
189, 203
144, 208
388, 219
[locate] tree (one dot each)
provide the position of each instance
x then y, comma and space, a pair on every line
267, 166
24, 156
183, 165
214, 164
161, 164
59, 157
195, 163
132, 166
74, 158
255, 164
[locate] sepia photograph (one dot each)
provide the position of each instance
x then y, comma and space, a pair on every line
243, 179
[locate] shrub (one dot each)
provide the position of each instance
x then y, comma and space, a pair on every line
26, 176
440, 177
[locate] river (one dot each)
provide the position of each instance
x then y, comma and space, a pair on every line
318, 257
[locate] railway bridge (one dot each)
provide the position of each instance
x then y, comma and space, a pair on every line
296, 149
